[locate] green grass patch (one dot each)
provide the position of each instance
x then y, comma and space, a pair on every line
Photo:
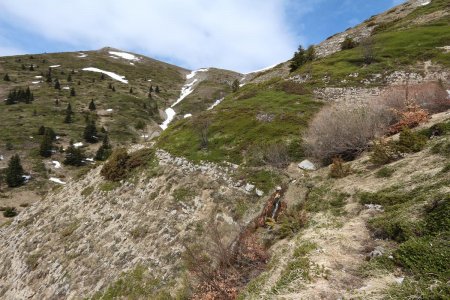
385, 172
183, 194
108, 186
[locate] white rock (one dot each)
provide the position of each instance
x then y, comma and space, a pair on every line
307, 165
259, 192
249, 187
278, 188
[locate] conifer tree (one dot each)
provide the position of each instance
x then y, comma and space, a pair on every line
57, 85
69, 78
6, 77
104, 151
72, 92
92, 105
41, 130
48, 77
14, 172
102, 77
69, 113
235, 86
90, 132
23, 67
151, 89
74, 156
69, 109
79, 82
131, 90
34, 112
157, 89
113, 89
45, 149
110, 86
31, 67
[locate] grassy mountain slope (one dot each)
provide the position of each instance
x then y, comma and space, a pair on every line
401, 45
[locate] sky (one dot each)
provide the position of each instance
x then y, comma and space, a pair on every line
240, 35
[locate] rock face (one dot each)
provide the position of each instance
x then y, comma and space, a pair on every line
81, 237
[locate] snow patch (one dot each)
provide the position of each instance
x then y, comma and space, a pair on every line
56, 180
170, 115
78, 145
426, 3
125, 55
82, 55
55, 66
215, 103
109, 110
149, 80
193, 73
35, 82
261, 70
115, 57
66, 88
110, 74
131, 63
38, 76
187, 116
56, 164
26, 178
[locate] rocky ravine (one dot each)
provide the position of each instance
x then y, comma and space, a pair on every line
81, 237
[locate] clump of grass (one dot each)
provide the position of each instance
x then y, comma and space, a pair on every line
385, 172
108, 186
10, 212
87, 191
183, 194
298, 268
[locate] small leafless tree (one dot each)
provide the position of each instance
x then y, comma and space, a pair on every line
368, 51
202, 124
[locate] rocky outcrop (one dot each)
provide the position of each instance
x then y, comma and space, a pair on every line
83, 236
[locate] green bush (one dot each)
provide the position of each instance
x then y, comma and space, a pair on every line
348, 43
425, 257
115, 168
384, 152
437, 218
411, 141
391, 226
442, 148
10, 212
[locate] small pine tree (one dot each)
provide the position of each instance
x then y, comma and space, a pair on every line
14, 172
57, 85
151, 89
235, 86
23, 67
69, 113
131, 90
45, 149
104, 151
74, 156
72, 72
69, 109
72, 92
31, 67
90, 132
301, 57
79, 82
69, 78
6, 77
113, 89
41, 130
157, 90
34, 112
57, 102
92, 105
102, 77
48, 77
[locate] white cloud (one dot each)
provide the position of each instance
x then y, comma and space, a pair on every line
234, 34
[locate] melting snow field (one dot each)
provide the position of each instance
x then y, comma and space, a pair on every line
55, 66
35, 82
78, 145
56, 180
56, 164
170, 115
185, 91
82, 55
187, 116
215, 103
110, 74
124, 55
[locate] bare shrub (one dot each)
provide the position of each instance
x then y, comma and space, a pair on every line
201, 124
344, 130
338, 169
221, 268
431, 96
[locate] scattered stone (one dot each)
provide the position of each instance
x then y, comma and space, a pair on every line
249, 187
376, 207
378, 251
259, 192
307, 165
